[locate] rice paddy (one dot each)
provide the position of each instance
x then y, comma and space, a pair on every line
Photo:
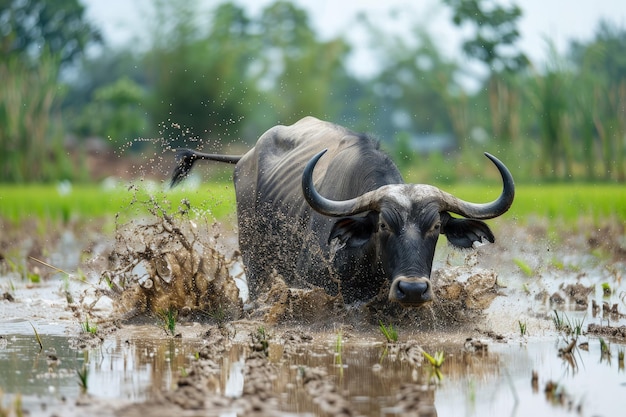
566, 202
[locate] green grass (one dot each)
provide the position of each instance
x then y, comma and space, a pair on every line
20, 202
566, 202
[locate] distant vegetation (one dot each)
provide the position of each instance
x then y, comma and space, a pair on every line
220, 78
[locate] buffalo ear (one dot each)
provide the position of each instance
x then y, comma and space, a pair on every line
464, 232
354, 231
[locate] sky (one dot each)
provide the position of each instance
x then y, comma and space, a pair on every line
557, 20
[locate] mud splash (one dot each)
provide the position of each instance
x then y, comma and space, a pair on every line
171, 261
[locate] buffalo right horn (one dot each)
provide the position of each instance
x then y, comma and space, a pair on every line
486, 210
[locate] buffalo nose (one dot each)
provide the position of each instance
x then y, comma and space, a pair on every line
413, 292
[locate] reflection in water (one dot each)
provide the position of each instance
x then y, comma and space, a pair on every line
376, 381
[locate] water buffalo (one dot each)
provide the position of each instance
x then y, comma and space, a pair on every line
324, 206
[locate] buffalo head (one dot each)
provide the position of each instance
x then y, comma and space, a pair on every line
401, 224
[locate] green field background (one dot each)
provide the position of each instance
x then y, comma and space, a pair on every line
567, 202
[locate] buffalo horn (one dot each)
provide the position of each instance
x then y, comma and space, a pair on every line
486, 210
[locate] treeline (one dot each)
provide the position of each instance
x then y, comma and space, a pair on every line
222, 77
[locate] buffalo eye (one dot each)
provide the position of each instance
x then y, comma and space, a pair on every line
436, 228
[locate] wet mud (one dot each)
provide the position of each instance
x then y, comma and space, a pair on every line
166, 298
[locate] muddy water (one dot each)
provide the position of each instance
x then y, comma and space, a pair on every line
367, 372
137, 368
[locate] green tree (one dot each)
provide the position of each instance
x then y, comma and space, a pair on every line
417, 85
602, 64
98, 70
493, 43
30, 27
307, 76
37, 37
31, 146
115, 113
550, 95
200, 80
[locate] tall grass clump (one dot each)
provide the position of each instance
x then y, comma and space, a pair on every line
30, 148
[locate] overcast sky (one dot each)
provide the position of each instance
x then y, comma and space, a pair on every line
557, 20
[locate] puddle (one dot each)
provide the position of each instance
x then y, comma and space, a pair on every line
369, 375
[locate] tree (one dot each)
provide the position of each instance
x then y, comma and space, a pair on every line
493, 43
37, 37
114, 112
602, 63
418, 85
30, 148
30, 27
200, 80
306, 76
550, 95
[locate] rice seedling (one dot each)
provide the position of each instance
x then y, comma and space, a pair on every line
90, 201
88, 328
524, 267
34, 278
606, 289
83, 375
435, 362
37, 337
65, 289
558, 264
576, 325
558, 321
389, 332
605, 349
93, 201
522, 328
219, 315
569, 326
168, 319
260, 340
338, 348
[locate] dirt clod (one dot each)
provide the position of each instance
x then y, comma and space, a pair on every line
611, 331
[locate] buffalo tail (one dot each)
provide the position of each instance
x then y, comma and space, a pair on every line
185, 159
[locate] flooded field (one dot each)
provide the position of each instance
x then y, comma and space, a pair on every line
533, 324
